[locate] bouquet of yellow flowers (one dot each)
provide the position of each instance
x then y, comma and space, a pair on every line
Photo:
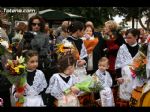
16, 74
67, 47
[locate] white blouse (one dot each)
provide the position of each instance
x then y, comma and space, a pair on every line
123, 57
57, 85
39, 83
106, 79
32, 96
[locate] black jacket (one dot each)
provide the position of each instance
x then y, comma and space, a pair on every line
98, 50
4, 83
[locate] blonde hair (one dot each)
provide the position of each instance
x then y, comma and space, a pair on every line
104, 60
112, 25
65, 25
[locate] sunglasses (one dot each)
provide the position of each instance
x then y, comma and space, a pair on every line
34, 24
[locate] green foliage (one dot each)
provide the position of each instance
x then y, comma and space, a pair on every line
12, 79
98, 15
21, 99
141, 72
22, 80
88, 85
131, 13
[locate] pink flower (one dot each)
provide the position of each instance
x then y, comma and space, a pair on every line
133, 74
87, 36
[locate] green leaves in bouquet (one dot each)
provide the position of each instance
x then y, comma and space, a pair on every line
14, 79
141, 71
21, 99
84, 86
97, 86
89, 85
22, 79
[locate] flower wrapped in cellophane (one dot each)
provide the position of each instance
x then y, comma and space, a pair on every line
89, 84
16, 74
138, 66
90, 43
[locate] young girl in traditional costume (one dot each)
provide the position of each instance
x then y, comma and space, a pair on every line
63, 80
125, 57
106, 95
35, 82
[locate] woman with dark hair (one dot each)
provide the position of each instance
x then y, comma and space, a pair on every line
37, 40
36, 21
131, 47
76, 30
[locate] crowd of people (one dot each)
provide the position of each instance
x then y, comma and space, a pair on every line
106, 54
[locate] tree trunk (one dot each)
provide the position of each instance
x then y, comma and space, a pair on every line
136, 23
148, 24
132, 22
140, 21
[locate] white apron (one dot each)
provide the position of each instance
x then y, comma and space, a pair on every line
106, 95
33, 101
107, 99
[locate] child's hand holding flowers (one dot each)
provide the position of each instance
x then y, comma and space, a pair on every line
75, 90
